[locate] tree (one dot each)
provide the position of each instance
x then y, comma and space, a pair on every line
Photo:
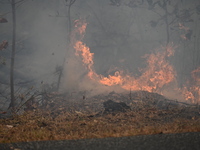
13, 102
3, 44
177, 19
13, 4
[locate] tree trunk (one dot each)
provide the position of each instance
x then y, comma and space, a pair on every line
13, 102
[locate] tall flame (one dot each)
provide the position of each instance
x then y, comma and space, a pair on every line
157, 75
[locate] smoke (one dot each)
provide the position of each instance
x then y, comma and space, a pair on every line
41, 40
79, 69
118, 37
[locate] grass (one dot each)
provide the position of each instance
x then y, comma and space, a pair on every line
39, 125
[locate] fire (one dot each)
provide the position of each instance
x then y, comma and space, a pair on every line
85, 52
116, 79
87, 56
157, 74
196, 75
192, 93
80, 26
81, 49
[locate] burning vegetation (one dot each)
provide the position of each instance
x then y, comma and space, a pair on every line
141, 108
158, 75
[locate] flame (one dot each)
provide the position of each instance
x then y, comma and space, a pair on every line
85, 53
116, 79
196, 75
192, 93
182, 27
80, 26
157, 74
81, 49
87, 56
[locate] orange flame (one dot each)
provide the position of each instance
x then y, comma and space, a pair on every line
80, 26
192, 93
157, 74
87, 57
116, 79
196, 75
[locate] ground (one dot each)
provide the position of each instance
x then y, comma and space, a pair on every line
149, 114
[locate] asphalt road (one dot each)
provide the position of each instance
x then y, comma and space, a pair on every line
181, 141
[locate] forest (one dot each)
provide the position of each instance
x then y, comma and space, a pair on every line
70, 51
35, 43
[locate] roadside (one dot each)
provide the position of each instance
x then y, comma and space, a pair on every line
183, 141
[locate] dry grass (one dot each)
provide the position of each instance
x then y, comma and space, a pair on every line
38, 125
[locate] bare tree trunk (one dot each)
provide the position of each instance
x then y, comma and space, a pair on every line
13, 102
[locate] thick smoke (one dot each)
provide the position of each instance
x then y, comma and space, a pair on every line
119, 37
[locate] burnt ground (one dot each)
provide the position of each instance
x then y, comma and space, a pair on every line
141, 102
